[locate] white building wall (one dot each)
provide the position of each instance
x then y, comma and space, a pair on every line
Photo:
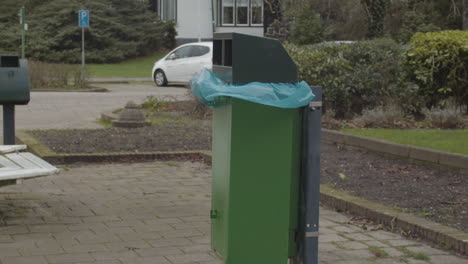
255, 31
194, 20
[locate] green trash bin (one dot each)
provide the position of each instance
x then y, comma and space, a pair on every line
256, 157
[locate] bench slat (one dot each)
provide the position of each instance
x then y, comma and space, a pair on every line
22, 161
26, 173
38, 161
11, 148
6, 163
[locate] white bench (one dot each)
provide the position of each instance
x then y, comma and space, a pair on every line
15, 165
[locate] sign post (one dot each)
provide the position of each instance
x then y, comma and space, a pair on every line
83, 21
23, 31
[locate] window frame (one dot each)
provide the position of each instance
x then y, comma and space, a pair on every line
161, 10
234, 2
262, 6
248, 24
249, 15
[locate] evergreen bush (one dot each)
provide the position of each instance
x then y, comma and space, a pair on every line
119, 29
355, 76
438, 63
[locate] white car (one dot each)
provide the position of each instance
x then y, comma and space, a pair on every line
179, 65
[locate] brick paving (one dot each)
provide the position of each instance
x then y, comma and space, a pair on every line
157, 213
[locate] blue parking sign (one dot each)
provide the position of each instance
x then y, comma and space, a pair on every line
83, 18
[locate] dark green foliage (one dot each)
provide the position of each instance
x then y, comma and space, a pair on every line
119, 29
357, 76
376, 11
307, 27
438, 62
398, 19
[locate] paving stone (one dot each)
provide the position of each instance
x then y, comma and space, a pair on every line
331, 238
393, 252
101, 262
119, 246
357, 237
401, 242
382, 235
356, 254
86, 248
155, 213
426, 250
343, 229
42, 251
69, 258
375, 243
114, 255
145, 260
23, 260
189, 258
324, 247
447, 259
170, 242
351, 245
8, 252
330, 256
414, 261
161, 251
391, 261
352, 261
5, 239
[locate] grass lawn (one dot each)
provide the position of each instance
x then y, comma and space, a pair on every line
134, 68
455, 141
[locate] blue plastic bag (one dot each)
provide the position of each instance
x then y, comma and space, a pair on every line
211, 90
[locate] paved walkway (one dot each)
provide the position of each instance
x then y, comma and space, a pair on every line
156, 213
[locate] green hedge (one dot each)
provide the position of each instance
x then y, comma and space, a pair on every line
355, 76
427, 73
438, 63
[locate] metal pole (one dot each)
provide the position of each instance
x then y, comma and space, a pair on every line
309, 189
8, 124
23, 32
83, 68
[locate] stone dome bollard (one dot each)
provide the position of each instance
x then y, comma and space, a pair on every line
130, 117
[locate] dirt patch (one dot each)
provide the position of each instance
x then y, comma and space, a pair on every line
437, 194
168, 136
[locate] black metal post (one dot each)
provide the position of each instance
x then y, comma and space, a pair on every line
309, 189
9, 124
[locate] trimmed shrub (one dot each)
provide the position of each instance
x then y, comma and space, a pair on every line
48, 75
438, 63
355, 76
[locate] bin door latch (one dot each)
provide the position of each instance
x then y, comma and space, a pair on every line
314, 105
214, 214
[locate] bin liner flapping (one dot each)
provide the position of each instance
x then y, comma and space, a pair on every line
211, 90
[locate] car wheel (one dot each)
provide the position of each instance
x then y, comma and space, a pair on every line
160, 78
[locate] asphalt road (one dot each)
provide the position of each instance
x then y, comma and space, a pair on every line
53, 110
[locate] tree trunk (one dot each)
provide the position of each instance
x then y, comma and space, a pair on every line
465, 14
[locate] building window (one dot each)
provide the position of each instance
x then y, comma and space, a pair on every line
167, 10
228, 12
256, 12
241, 12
